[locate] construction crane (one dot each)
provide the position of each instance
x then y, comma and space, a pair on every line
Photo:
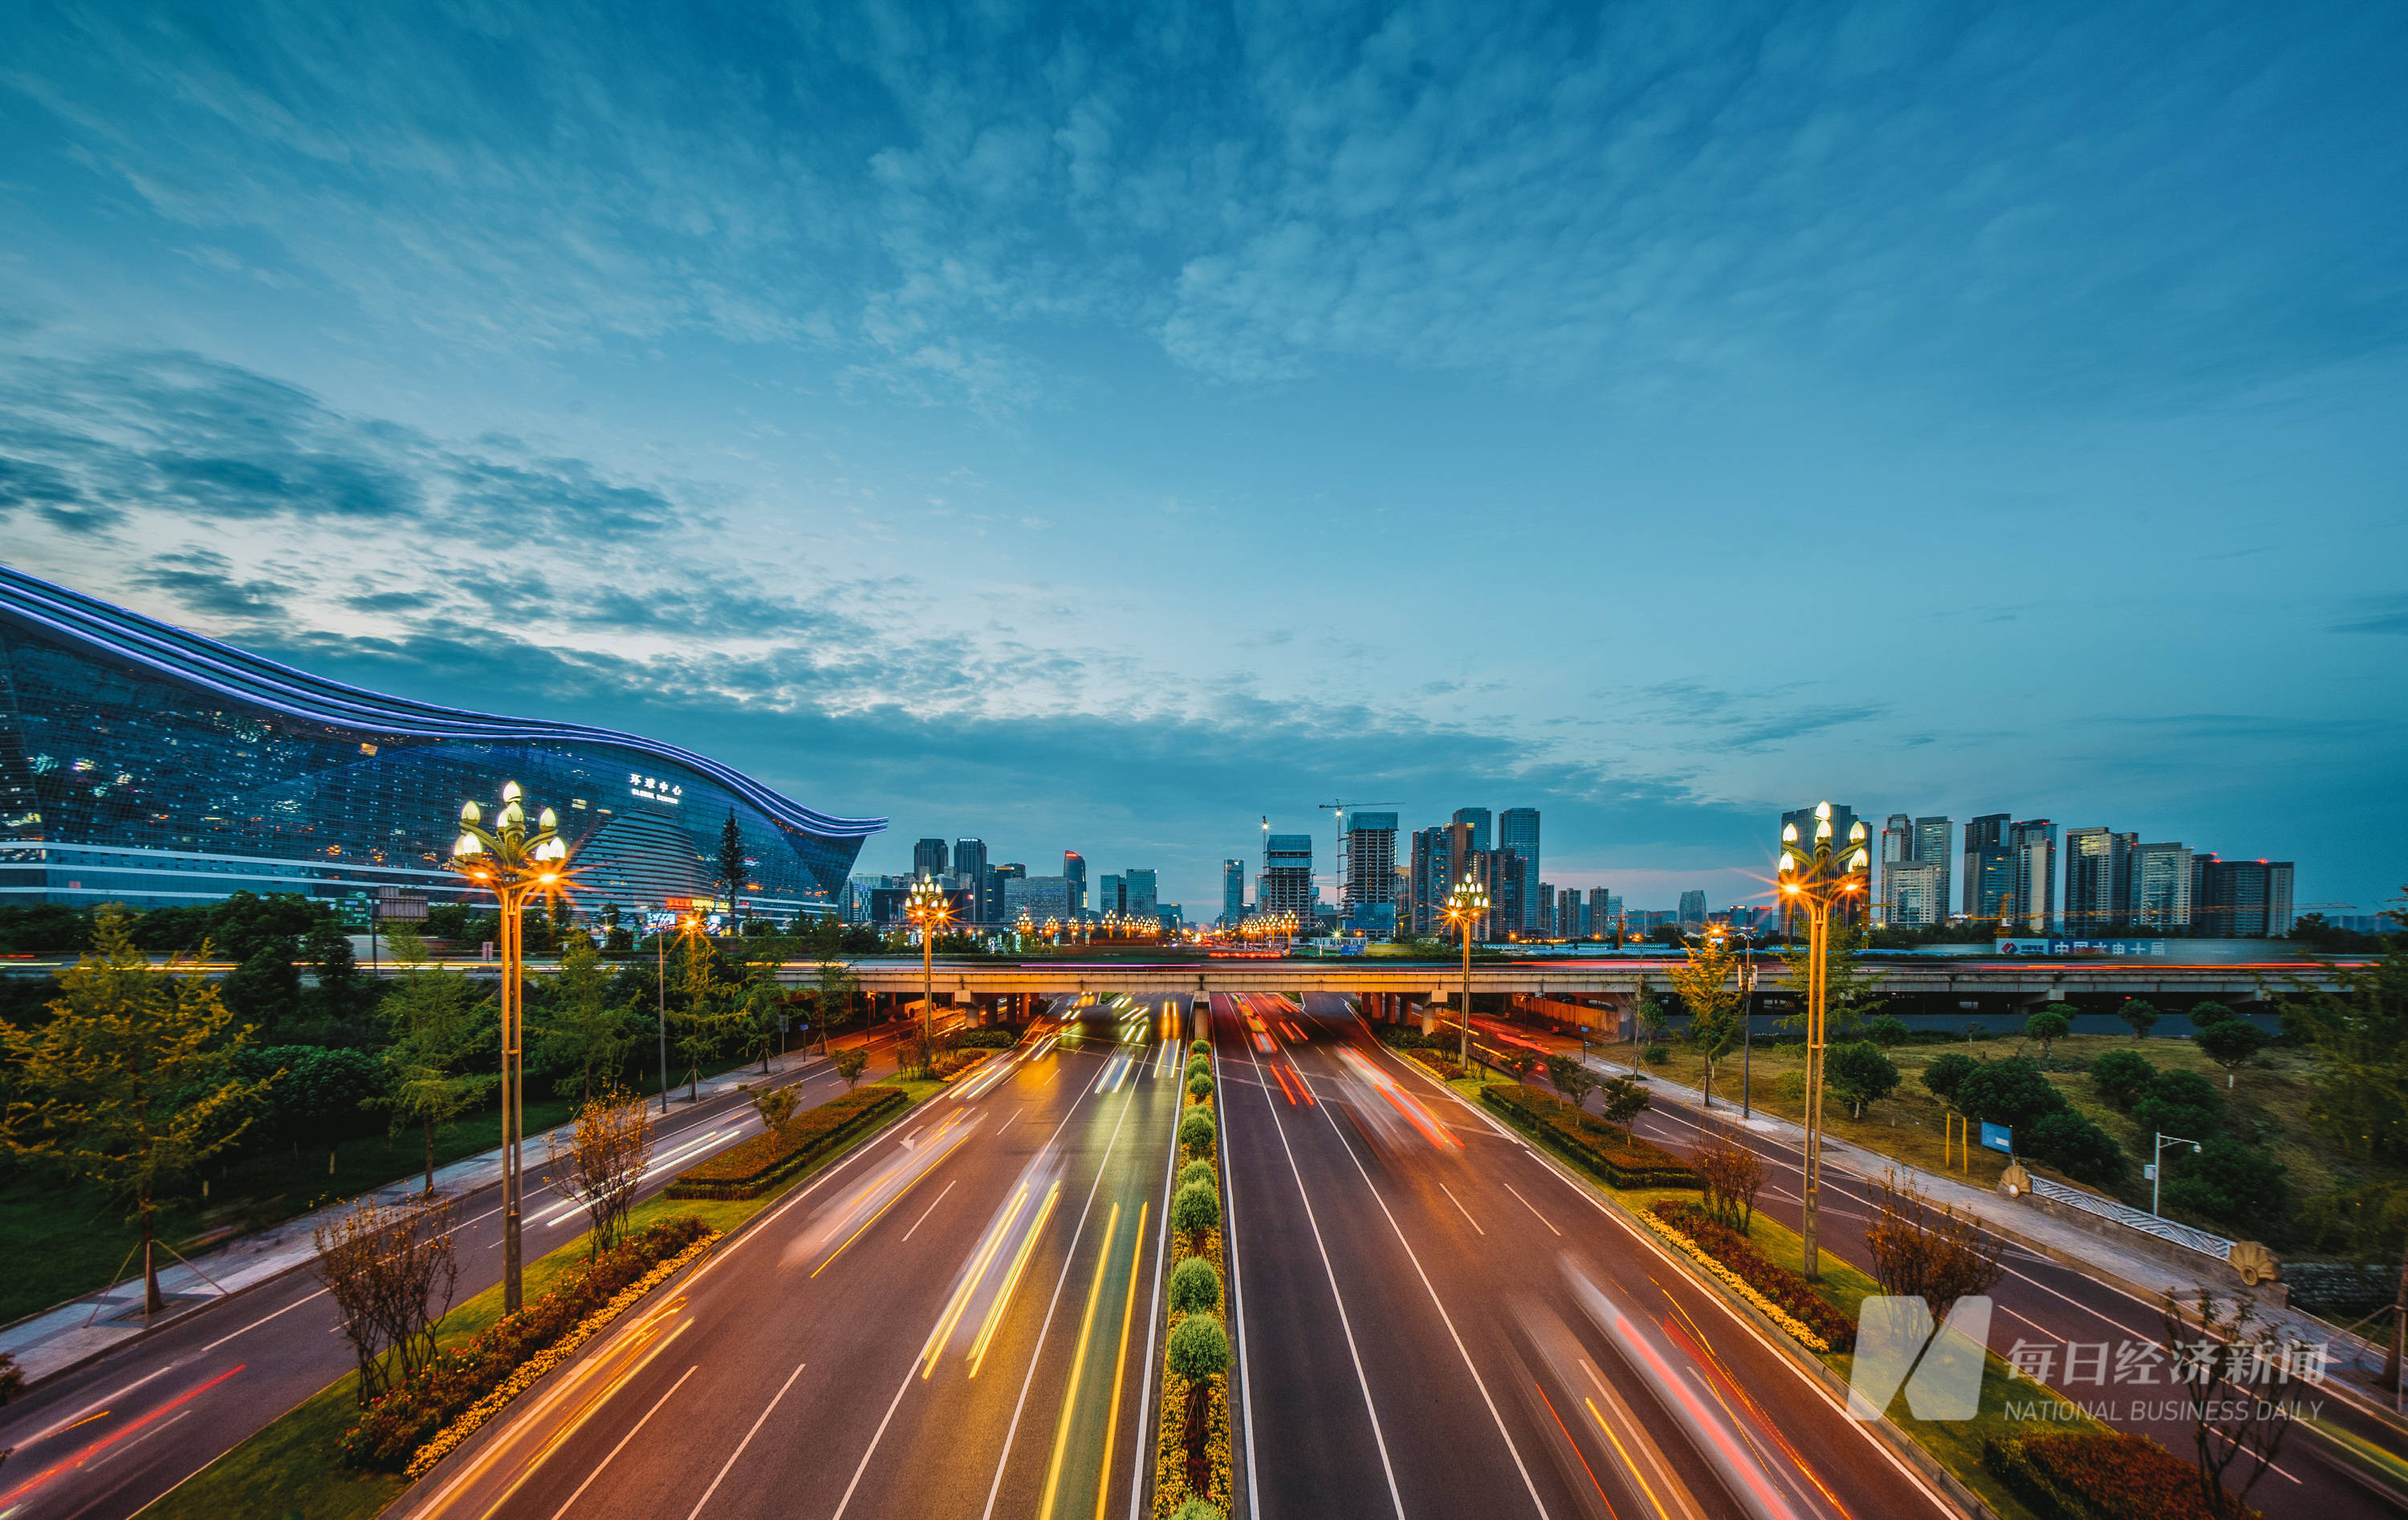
1337, 862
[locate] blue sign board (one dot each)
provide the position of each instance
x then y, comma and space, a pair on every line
2081, 947
1998, 1137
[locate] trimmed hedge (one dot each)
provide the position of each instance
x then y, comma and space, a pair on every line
397, 1424
1793, 1293
1619, 1157
994, 1038
751, 1169
2104, 1475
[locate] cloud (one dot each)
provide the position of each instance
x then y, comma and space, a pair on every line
204, 582
2377, 615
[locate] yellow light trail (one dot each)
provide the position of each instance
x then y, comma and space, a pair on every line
952, 1314
1078, 1365
897, 1198
1120, 1366
1638, 1476
1019, 1263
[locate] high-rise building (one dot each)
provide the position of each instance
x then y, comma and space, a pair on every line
1933, 846
1369, 898
1441, 856
1897, 849
969, 872
1288, 876
1693, 910
1543, 906
1233, 893
1040, 896
2033, 843
2098, 878
1517, 829
2241, 899
1917, 894
1112, 895
1508, 888
931, 858
1478, 819
1074, 870
1138, 892
2159, 897
1989, 870
1602, 906
1570, 920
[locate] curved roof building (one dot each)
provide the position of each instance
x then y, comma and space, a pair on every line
145, 765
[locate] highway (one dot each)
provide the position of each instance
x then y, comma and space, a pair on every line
958, 1320
106, 1438
1436, 1322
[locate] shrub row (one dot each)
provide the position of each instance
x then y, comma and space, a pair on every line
2109, 1475
400, 1422
995, 1037
1793, 1294
751, 1169
1437, 1060
1199, 1141
1615, 1155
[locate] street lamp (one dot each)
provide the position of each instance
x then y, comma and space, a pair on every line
515, 864
1813, 877
2157, 1165
929, 908
1466, 906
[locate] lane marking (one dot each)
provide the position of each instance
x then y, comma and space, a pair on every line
1532, 1207
1078, 1369
614, 1451
1459, 1208
1011, 1281
746, 1441
987, 1252
1119, 1365
926, 1212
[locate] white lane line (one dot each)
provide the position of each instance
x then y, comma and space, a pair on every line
623, 1439
1387, 1469
929, 1210
746, 1441
1459, 1208
102, 1404
1532, 1207
95, 1467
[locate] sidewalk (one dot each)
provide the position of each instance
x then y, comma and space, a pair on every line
76, 1331
2145, 1277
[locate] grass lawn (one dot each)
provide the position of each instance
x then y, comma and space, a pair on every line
290, 1468
1956, 1446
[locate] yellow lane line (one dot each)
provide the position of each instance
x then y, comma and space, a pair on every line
1019, 1264
1120, 1366
1078, 1365
952, 1314
1635, 1474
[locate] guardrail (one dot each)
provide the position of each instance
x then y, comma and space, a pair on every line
2148, 1223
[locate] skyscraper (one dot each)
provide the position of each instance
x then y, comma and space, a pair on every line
1517, 829
1693, 908
1933, 847
1441, 856
1600, 912
1369, 902
2098, 878
1917, 892
1112, 895
1233, 891
2160, 895
1478, 819
930, 858
1074, 870
970, 873
1542, 919
2240, 900
1138, 892
2033, 845
1287, 876
1897, 849
1989, 878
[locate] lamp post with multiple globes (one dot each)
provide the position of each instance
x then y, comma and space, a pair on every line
1466, 906
1818, 879
927, 907
515, 864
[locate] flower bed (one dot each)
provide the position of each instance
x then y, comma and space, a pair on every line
1616, 1155
751, 1169
393, 1428
953, 1063
1170, 1488
2107, 1475
1787, 1298
1432, 1059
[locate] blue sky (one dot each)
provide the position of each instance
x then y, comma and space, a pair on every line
1100, 427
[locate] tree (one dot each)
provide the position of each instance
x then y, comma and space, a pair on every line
2235, 1349
2140, 1014
2074, 1145
1622, 1101
706, 1011
2048, 1027
1521, 1061
2359, 1029
127, 1084
1195, 1287
1198, 1352
2181, 1103
2208, 1015
1646, 1020
603, 1163
1706, 983
731, 859
2012, 1092
832, 985
776, 1107
850, 1064
1862, 1073
1851, 990
391, 1270
1195, 1213
1936, 1255
437, 1022
587, 1033
341, 992
1570, 1078
1732, 1174
2234, 1184
763, 1017
1947, 1073
265, 988
2230, 1043
1888, 1030
2122, 1076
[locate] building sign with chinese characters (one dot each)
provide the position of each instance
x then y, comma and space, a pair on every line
652, 789
2081, 947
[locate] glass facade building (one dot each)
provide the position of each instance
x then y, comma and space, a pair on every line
145, 765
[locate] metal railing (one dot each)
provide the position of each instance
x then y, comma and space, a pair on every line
2148, 1224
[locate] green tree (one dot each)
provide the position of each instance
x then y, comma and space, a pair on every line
763, 1016
264, 988
2208, 1015
1946, 1074
706, 1010
1862, 1073
2012, 1092
2234, 1184
2123, 1076
438, 1023
2181, 1103
1851, 990
1706, 982
731, 859
2140, 1014
587, 1033
2230, 1043
2359, 1029
832, 988
2048, 1027
341, 993
1195, 1213
127, 1084
1195, 1287
850, 1064
1621, 1100
1570, 1079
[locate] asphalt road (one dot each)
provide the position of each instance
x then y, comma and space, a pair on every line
2043, 1302
102, 1441
954, 1321
1436, 1322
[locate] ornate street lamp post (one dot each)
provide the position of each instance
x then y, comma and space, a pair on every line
514, 866
1466, 906
1817, 879
929, 908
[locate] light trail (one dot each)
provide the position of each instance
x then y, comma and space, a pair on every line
1012, 1282
1078, 1369
1120, 1367
85, 1456
986, 1254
